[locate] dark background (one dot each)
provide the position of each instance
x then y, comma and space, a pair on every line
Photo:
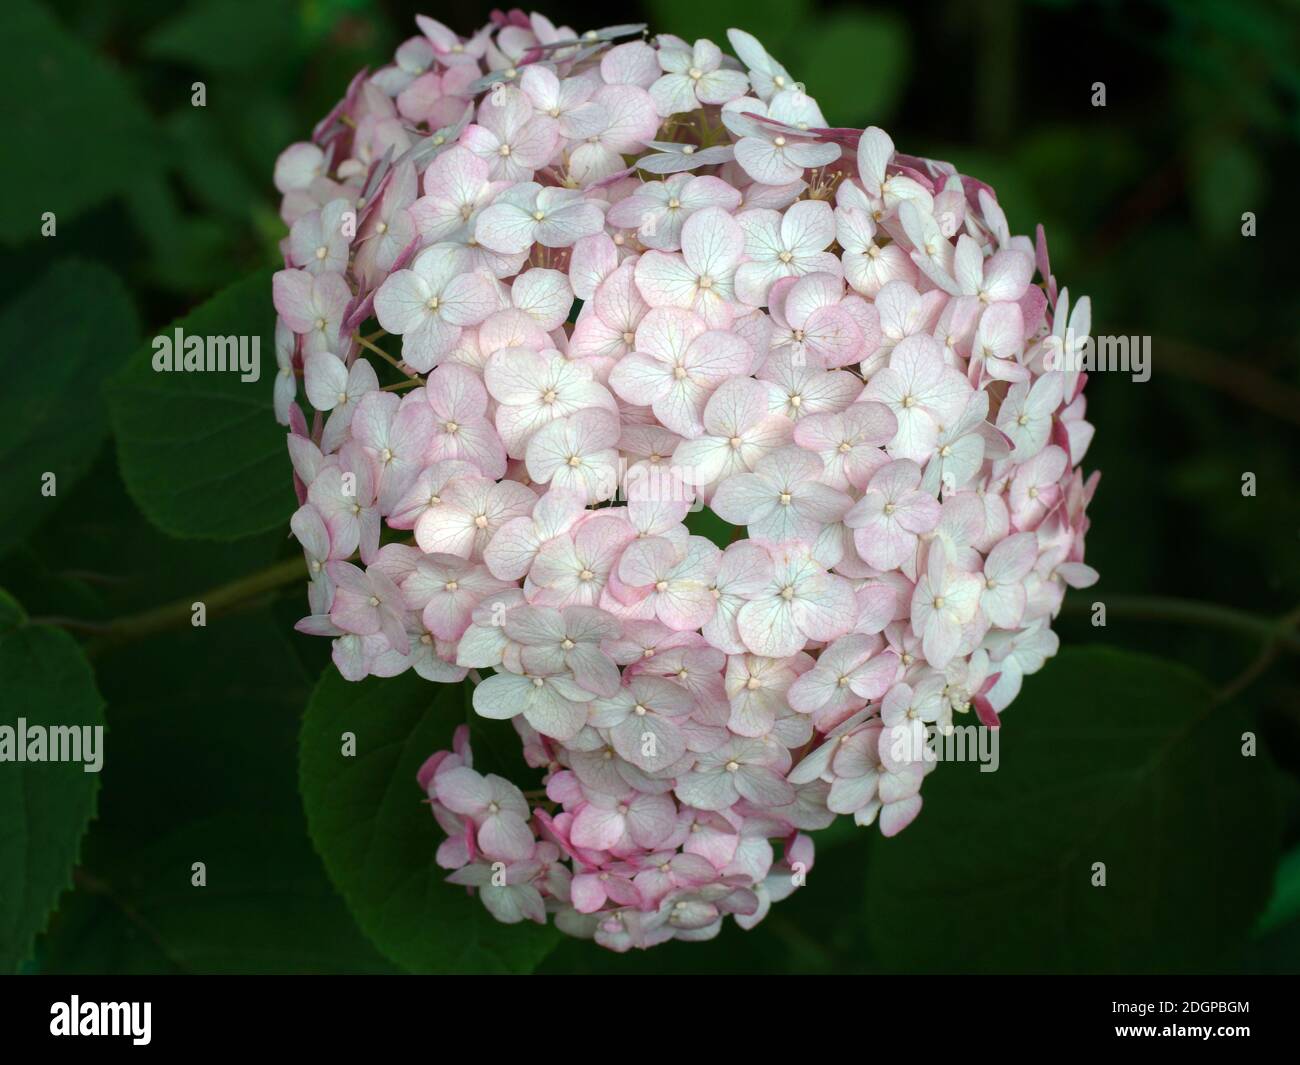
1142, 201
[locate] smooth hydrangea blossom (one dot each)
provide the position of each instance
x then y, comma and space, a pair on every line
561, 306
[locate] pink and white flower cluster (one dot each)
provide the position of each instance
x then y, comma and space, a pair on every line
609, 281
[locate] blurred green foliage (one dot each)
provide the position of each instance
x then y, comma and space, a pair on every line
162, 206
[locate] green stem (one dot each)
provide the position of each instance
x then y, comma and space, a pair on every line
216, 601
1259, 665
1236, 377
382, 354
1192, 612
223, 599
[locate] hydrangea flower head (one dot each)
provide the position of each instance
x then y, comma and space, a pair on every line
551, 295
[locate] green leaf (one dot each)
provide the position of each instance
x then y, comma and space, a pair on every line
1107, 757
372, 826
1284, 906
188, 253
854, 65
266, 907
75, 135
704, 522
201, 767
45, 806
12, 615
63, 336
123, 564
226, 35
210, 169
201, 452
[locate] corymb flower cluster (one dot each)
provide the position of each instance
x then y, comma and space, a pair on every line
625, 290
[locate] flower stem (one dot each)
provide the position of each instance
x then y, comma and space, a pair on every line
1260, 663
383, 355
1192, 612
216, 601
1236, 377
